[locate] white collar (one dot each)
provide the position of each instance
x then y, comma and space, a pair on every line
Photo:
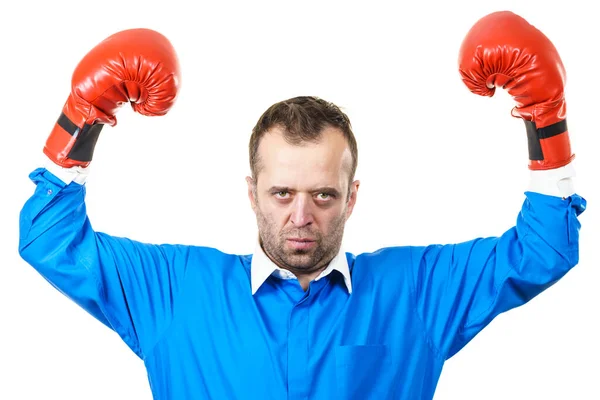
262, 267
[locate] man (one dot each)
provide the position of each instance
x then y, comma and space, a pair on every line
299, 319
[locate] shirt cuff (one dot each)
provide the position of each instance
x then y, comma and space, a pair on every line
67, 175
553, 182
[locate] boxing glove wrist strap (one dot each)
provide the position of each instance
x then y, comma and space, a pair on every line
86, 138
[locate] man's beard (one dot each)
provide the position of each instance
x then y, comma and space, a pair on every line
300, 261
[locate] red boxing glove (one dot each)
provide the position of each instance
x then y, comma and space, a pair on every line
136, 66
504, 50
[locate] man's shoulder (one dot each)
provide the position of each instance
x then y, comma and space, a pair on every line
379, 253
210, 253
380, 258
197, 256
208, 263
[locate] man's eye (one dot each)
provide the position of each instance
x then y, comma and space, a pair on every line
324, 196
281, 194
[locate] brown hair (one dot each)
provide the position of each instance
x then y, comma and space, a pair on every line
302, 119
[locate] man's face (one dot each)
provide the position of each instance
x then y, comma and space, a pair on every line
301, 199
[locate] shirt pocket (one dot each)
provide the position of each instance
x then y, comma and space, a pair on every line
363, 372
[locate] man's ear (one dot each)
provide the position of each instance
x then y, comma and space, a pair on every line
252, 192
353, 193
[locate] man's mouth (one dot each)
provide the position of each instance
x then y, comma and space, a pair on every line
301, 243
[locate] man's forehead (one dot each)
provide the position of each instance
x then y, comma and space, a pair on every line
319, 163
331, 143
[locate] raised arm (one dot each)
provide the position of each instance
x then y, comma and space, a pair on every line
127, 285
460, 288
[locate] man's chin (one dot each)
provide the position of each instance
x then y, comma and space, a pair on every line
300, 260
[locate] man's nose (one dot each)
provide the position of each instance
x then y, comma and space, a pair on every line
302, 213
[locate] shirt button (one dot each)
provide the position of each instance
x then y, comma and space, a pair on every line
49, 192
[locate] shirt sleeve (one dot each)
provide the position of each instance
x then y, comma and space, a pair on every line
460, 288
127, 285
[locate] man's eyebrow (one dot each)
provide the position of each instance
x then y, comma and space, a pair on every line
279, 189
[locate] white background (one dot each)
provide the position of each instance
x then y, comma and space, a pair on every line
437, 164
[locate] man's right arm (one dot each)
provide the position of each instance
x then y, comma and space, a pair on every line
129, 286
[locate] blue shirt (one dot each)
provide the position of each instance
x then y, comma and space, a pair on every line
190, 314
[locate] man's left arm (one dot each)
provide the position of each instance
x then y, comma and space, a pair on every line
461, 288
